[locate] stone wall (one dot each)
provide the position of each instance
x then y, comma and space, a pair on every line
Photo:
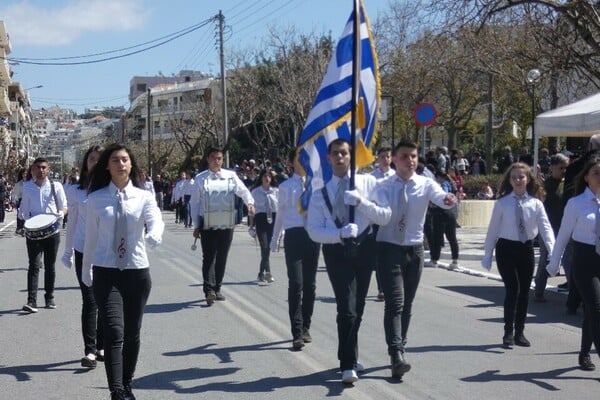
475, 213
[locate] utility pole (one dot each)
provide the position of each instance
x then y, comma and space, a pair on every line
223, 88
149, 126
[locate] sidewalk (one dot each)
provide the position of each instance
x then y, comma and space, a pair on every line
470, 244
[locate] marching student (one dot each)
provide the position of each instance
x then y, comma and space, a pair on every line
400, 252
383, 170
581, 225
91, 327
42, 196
517, 217
301, 256
118, 213
213, 216
349, 266
265, 194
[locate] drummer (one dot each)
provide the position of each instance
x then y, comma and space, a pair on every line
213, 216
42, 196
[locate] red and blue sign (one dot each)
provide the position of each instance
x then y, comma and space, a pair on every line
425, 114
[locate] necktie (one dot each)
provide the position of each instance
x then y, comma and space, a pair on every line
120, 232
269, 207
341, 211
597, 226
402, 208
521, 220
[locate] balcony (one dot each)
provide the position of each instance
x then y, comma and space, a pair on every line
4, 39
4, 102
4, 69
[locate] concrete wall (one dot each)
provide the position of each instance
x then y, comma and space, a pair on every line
475, 213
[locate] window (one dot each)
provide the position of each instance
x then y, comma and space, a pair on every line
141, 87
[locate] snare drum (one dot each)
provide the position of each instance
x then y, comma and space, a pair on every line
41, 226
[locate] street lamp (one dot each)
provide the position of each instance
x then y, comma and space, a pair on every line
35, 87
533, 76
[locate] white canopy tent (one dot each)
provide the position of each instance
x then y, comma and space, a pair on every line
578, 119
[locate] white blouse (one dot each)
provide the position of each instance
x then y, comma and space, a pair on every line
265, 199
580, 212
141, 212
504, 224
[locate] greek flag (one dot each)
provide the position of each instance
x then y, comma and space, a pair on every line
330, 116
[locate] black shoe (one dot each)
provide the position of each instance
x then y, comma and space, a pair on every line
210, 297
306, 336
219, 296
298, 343
50, 304
508, 341
399, 365
521, 340
563, 286
380, 296
585, 363
118, 394
128, 392
30, 307
89, 362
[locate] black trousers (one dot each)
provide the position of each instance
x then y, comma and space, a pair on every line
91, 327
215, 248
444, 223
515, 262
121, 297
350, 278
264, 233
400, 269
37, 250
301, 260
586, 273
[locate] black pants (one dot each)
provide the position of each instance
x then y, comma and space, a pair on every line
350, 278
400, 270
301, 260
121, 297
586, 273
264, 233
187, 217
91, 328
177, 207
37, 250
215, 248
444, 223
515, 262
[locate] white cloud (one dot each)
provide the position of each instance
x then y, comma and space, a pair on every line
42, 25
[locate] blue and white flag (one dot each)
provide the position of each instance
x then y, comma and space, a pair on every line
330, 116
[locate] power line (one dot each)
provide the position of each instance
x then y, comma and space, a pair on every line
171, 38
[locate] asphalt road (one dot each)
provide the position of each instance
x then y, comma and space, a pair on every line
241, 348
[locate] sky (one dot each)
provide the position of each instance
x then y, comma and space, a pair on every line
40, 30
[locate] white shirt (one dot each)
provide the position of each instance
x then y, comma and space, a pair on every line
580, 213
75, 237
177, 191
187, 187
262, 196
379, 174
39, 199
288, 207
196, 202
419, 191
320, 224
140, 208
504, 224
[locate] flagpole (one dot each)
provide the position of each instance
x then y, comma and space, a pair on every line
355, 87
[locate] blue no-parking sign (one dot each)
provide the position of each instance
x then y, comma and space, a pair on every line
425, 114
